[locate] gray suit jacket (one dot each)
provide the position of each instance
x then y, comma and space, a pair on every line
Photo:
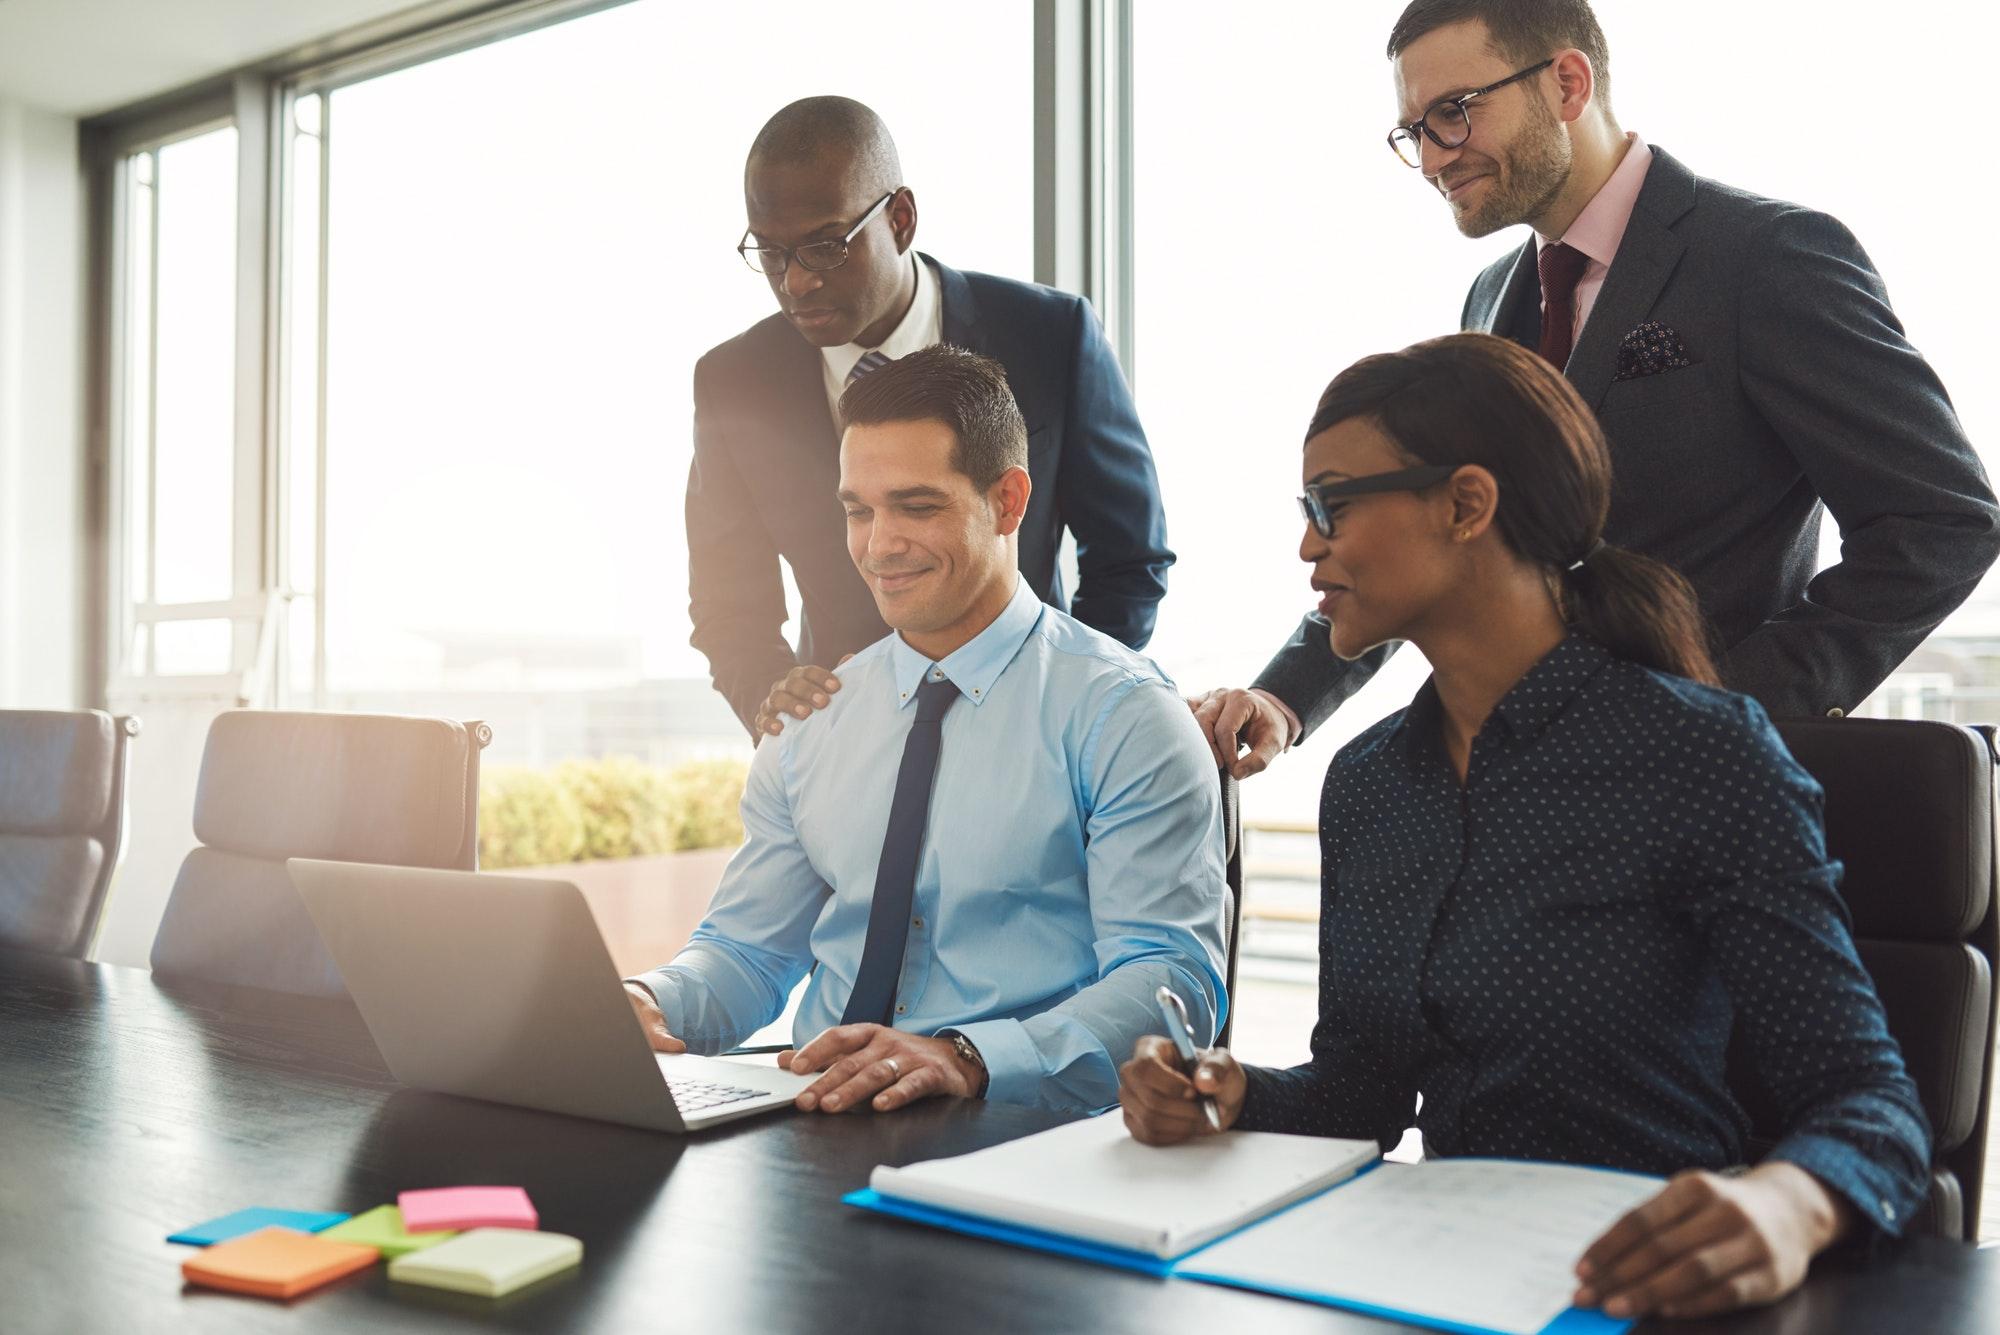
1801, 392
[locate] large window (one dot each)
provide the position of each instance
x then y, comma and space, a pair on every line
527, 246
176, 404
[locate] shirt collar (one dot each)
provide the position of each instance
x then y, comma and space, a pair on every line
1543, 692
1528, 707
975, 665
1600, 228
916, 331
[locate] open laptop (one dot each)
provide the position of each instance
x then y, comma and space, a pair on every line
500, 988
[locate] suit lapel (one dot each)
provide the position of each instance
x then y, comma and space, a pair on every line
798, 375
1515, 311
961, 312
1639, 273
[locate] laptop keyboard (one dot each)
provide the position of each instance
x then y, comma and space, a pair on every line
692, 1096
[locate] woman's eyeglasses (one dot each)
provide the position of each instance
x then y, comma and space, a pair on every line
1324, 501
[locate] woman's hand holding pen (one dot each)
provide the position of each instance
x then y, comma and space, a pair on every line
1163, 1104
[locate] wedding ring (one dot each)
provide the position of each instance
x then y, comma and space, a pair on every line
894, 1068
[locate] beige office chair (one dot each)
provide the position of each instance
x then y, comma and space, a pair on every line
1910, 812
62, 821
277, 785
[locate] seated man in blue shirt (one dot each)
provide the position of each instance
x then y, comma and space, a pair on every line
1002, 836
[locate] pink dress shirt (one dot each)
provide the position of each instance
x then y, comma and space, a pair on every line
1601, 226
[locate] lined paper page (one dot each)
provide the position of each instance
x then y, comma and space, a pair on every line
1091, 1180
1487, 1243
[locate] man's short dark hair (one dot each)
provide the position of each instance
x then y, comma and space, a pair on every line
814, 129
1524, 31
963, 390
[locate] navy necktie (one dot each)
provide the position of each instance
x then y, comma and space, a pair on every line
874, 997
870, 362
1560, 268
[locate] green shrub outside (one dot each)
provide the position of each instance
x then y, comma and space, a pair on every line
527, 818
704, 802
615, 807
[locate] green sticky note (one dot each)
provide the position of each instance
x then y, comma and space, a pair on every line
382, 1229
489, 1261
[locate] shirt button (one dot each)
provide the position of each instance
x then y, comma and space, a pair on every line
1888, 1210
902, 1010
916, 922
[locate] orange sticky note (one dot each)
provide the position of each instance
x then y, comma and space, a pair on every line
276, 1263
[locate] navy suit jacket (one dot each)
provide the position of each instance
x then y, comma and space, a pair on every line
1799, 392
766, 471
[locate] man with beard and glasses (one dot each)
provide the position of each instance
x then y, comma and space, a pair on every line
1739, 352
832, 229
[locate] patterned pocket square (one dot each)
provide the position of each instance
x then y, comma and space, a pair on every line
1650, 349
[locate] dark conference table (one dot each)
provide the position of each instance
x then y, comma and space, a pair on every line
130, 1109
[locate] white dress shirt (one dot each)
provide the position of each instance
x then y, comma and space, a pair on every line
922, 326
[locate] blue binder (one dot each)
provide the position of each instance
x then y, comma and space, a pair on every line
1575, 1321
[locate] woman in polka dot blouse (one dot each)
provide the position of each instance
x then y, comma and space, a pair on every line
1555, 883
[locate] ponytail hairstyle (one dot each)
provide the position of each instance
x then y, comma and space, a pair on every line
1476, 399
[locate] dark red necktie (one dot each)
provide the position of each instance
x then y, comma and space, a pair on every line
1561, 267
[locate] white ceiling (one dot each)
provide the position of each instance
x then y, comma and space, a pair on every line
81, 57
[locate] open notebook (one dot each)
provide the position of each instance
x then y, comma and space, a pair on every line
1483, 1246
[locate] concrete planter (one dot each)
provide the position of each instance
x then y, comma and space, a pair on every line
645, 907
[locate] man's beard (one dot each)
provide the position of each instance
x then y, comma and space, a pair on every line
1537, 166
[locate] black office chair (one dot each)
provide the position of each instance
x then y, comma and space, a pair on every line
1232, 923
1910, 812
62, 822
277, 785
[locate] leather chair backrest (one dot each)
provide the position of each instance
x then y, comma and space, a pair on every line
61, 821
1910, 815
277, 785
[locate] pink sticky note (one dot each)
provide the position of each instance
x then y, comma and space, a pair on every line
466, 1207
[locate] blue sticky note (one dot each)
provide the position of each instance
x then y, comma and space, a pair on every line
249, 1221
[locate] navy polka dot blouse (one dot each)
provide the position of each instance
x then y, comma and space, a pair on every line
1554, 954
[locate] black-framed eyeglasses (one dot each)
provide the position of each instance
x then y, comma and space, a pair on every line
818, 256
1448, 123
1324, 501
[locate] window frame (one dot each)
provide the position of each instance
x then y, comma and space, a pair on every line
1082, 184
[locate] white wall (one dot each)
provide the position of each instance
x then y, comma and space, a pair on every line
42, 470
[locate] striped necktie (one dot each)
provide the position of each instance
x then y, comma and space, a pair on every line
870, 362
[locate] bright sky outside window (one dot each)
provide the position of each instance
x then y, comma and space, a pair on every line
1341, 251
529, 247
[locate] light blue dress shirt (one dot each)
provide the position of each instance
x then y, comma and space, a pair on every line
1072, 862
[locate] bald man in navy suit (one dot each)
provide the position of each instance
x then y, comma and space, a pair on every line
832, 226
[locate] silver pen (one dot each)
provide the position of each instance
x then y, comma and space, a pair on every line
1182, 1035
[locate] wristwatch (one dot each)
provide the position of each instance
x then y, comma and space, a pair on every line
966, 1052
